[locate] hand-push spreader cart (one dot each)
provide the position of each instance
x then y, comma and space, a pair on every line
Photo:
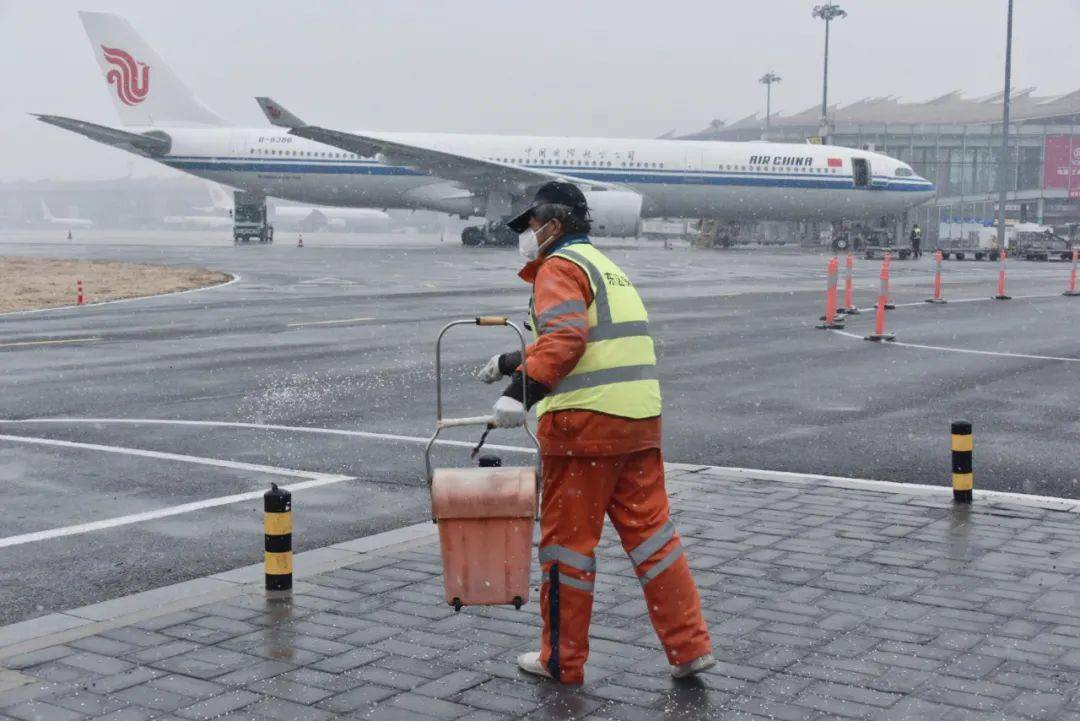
485, 514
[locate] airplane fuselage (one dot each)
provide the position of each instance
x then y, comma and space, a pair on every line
724, 180
69, 222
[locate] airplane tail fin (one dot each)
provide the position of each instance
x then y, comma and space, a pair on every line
145, 90
45, 212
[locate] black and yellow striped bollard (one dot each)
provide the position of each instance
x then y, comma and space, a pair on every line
277, 507
962, 447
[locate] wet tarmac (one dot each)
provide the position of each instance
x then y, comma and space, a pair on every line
339, 335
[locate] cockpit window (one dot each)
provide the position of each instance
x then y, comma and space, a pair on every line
904, 172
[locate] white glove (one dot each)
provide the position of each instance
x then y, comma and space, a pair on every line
509, 413
490, 373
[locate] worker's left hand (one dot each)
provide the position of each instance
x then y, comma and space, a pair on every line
508, 412
490, 373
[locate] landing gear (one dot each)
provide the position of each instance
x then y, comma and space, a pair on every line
491, 233
472, 236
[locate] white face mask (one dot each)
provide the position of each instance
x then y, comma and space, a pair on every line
529, 243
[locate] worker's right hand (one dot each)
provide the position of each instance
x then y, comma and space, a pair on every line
490, 373
508, 413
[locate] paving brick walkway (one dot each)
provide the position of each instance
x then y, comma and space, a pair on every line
824, 602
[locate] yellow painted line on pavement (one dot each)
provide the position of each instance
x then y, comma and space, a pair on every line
58, 341
329, 322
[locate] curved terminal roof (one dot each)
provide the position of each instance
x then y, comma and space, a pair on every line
949, 109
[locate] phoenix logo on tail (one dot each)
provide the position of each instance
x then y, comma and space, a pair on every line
131, 86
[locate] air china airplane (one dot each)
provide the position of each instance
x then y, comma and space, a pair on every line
625, 180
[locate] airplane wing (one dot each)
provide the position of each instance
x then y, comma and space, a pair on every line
473, 173
150, 145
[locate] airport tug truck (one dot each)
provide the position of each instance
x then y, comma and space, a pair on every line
486, 515
878, 241
250, 219
1028, 241
1031, 241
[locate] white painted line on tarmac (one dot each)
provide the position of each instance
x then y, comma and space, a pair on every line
106, 523
235, 278
270, 427
58, 341
316, 480
328, 322
867, 483
950, 301
158, 455
1002, 354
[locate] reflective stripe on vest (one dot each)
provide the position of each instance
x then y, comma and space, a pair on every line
617, 373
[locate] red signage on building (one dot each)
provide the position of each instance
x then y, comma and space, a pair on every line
1062, 166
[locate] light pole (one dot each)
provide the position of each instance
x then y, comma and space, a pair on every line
1003, 161
767, 80
827, 12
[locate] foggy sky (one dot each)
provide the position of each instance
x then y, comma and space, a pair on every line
559, 67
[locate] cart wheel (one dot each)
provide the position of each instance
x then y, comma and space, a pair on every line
518, 602
457, 604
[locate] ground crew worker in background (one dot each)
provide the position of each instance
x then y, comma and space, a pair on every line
591, 371
916, 241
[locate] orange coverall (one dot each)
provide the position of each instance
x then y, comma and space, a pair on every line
594, 464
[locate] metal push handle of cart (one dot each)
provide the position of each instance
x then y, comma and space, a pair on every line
441, 423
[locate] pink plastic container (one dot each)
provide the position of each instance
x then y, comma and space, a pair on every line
485, 518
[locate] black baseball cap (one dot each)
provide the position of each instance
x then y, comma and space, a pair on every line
555, 192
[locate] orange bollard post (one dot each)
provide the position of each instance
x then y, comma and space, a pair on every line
849, 268
1001, 278
879, 333
937, 281
832, 275
1072, 276
886, 265
79, 300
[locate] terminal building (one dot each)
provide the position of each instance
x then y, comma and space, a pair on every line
955, 142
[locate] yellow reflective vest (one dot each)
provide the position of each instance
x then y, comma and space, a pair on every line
617, 373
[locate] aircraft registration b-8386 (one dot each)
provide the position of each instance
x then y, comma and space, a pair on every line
624, 180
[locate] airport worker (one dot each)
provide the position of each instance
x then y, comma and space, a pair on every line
591, 373
916, 241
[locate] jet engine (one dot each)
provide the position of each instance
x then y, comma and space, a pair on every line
614, 212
